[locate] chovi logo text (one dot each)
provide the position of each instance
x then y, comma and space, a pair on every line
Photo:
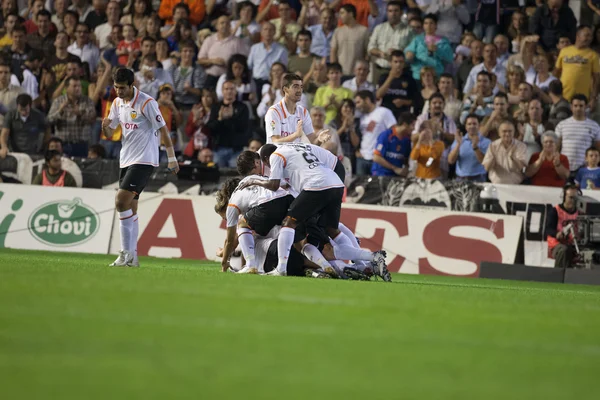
64, 223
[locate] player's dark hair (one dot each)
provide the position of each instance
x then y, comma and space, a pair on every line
24, 100
50, 154
406, 118
579, 96
288, 79
436, 95
266, 151
366, 94
349, 8
245, 162
224, 194
123, 75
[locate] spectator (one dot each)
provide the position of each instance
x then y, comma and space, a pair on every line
506, 157
53, 174
515, 75
398, 89
138, 14
387, 37
73, 70
238, 72
481, 101
70, 20
286, 29
563, 41
266, 11
323, 33
360, 82
350, 41
246, 28
162, 54
30, 24
429, 49
475, 58
255, 145
68, 165
363, 9
317, 115
197, 10
501, 43
18, 51
519, 111
206, 156
588, 177
230, 126
8, 92
518, 29
31, 71
264, 54
217, 49
172, 117
452, 15
24, 130
452, 106
197, 131
188, 79
310, 12
181, 12
416, 24
57, 63
128, 48
84, 48
97, 16
103, 31
531, 131
427, 152
560, 245
60, 8
329, 97
393, 147
548, 167
347, 127
542, 77
152, 28
82, 8
301, 62
578, 67
487, 20
150, 77
147, 47
468, 151
43, 39
490, 64
11, 20
316, 77
552, 19
577, 133
428, 87
96, 152
373, 121
560, 108
73, 116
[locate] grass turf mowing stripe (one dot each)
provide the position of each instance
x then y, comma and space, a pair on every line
70, 327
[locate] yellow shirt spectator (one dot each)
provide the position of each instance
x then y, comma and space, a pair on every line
6, 40
578, 66
323, 99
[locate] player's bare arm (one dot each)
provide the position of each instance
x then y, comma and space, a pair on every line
173, 165
272, 184
106, 129
231, 243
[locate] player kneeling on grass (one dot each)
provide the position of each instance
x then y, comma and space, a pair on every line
141, 121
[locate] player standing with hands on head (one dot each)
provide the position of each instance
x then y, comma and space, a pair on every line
282, 118
141, 121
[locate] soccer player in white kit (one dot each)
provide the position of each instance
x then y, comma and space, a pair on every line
141, 121
282, 118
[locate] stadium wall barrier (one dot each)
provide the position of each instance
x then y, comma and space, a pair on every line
55, 218
418, 241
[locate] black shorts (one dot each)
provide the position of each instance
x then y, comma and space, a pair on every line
312, 230
340, 170
326, 203
134, 178
263, 217
295, 265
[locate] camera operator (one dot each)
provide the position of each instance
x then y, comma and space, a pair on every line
559, 236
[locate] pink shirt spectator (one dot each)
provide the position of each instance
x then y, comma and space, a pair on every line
225, 48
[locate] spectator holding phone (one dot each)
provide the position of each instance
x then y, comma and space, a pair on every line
427, 153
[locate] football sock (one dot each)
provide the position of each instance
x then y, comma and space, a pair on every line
345, 252
285, 241
126, 225
314, 255
135, 229
341, 238
344, 229
246, 240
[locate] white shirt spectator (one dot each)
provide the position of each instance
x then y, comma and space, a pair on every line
371, 125
498, 70
89, 53
351, 84
102, 33
576, 137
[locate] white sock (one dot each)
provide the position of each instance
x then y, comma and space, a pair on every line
246, 240
135, 230
285, 241
314, 255
341, 238
339, 266
126, 225
344, 229
345, 252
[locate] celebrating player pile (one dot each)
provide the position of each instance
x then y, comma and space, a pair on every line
140, 120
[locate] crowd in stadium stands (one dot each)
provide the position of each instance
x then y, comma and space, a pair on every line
482, 90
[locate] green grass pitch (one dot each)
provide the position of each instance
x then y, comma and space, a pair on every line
72, 328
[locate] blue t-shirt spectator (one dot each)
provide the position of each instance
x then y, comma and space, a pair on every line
467, 164
588, 178
394, 149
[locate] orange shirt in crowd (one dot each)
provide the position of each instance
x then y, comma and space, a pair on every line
197, 10
421, 155
273, 12
130, 47
362, 11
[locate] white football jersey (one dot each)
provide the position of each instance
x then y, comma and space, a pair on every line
243, 200
279, 121
140, 121
325, 156
298, 163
